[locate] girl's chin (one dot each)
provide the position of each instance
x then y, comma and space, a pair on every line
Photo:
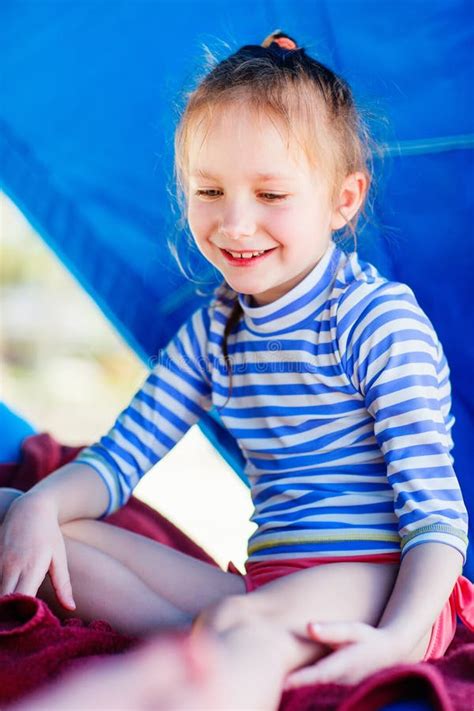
258, 297
247, 289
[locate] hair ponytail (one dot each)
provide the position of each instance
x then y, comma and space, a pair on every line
232, 321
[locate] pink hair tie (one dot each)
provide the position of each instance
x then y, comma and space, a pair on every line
285, 43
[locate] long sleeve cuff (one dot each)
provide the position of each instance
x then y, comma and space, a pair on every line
436, 533
108, 476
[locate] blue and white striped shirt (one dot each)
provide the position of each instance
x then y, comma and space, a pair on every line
340, 404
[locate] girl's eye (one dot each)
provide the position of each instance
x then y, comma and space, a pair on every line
272, 197
207, 193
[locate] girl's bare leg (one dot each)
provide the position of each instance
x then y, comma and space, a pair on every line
132, 582
186, 582
107, 590
256, 635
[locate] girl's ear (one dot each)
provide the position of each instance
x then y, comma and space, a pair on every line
351, 197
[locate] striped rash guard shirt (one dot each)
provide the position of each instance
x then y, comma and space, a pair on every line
340, 405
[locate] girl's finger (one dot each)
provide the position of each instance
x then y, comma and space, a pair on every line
8, 582
331, 669
304, 677
28, 583
31, 576
60, 579
297, 679
337, 632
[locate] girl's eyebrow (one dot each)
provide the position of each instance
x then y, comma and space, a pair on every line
258, 176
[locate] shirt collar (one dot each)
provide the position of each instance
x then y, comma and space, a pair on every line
298, 305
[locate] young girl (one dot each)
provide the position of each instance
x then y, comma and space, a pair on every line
334, 385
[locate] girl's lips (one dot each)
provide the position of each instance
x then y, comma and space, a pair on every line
238, 262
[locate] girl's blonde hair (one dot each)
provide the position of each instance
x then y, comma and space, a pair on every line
305, 99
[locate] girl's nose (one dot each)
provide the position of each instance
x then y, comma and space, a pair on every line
237, 221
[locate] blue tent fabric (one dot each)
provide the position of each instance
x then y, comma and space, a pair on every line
14, 429
90, 96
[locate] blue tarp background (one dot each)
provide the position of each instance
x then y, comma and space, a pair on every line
90, 91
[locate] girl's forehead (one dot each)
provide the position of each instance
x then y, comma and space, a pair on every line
232, 135
245, 125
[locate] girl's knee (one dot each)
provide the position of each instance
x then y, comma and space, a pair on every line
75, 529
234, 611
254, 619
70, 527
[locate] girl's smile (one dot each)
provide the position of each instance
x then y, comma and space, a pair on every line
246, 259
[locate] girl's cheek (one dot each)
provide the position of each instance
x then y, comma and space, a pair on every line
281, 220
194, 225
199, 217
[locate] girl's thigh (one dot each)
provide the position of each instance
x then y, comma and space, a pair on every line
188, 583
333, 592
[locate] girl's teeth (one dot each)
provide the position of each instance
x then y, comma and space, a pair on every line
246, 255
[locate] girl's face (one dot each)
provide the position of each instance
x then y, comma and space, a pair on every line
248, 193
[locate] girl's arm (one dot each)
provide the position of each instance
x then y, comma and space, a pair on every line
31, 541
174, 396
393, 358
101, 479
74, 491
425, 580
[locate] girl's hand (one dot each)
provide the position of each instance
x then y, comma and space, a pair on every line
358, 651
32, 545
